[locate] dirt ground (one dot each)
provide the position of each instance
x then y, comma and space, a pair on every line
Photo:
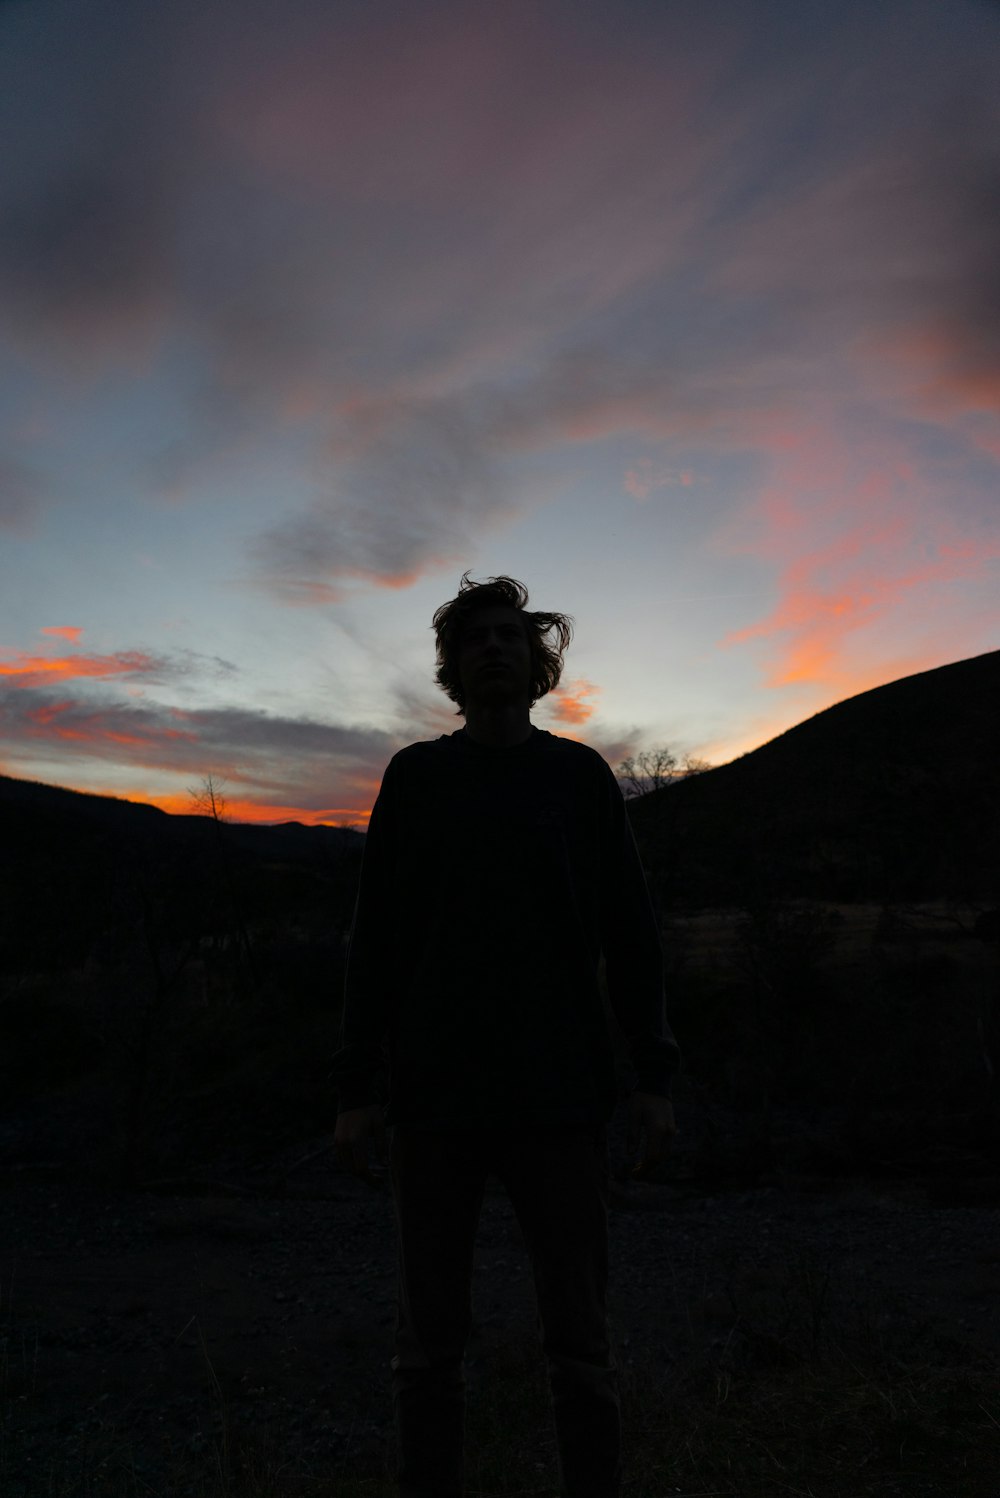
140, 1326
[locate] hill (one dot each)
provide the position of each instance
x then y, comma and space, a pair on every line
168, 984
29, 805
79, 872
892, 794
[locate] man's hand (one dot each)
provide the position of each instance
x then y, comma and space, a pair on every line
652, 1115
355, 1126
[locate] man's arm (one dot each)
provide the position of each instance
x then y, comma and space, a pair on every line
633, 953
360, 1065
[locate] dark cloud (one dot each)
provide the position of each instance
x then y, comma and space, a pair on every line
90, 202
432, 237
968, 182
299, 760
89, 244
21, 494
416, 482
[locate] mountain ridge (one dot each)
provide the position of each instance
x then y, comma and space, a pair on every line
892, 793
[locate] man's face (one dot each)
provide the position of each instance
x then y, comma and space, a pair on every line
494, 657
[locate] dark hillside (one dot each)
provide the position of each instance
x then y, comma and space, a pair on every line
168, 984
890, 795
76, 869
29, 808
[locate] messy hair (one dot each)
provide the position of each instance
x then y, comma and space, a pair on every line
548, 634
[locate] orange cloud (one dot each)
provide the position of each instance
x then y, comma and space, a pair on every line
70, 632
41, 670
566, 703
815, 619
860, 539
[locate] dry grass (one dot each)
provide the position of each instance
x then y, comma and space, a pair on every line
813, 1411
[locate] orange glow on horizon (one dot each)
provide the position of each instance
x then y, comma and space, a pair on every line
241, 809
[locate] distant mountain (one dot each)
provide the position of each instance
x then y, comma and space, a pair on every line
81, 873
28, 807
893, 794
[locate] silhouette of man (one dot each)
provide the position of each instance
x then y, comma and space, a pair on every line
499, 868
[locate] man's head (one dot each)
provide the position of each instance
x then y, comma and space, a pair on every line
490, 644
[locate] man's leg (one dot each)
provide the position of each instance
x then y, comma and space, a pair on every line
438, 1190
559, 1185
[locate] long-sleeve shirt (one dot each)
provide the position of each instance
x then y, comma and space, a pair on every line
493, 881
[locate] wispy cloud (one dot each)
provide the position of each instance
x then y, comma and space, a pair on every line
854, 538
294, 762
70, 632
646, 476
414, 484
428, 299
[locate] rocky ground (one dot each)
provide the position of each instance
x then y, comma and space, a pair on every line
140, 1325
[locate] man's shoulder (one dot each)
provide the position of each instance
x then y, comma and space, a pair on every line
571, 746
422, 752
571, 753
574, 752
422, 748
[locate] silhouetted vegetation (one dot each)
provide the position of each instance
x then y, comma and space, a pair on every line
653, 769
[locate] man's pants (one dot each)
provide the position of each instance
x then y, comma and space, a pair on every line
558, 1184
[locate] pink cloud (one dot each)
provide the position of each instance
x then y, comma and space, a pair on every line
66, 720
516, 232
566, 704
70, 632
935, 370
859, 538
646, 477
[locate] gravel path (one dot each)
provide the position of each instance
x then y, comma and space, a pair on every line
145, 1313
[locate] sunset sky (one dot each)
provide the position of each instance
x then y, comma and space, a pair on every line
686, 314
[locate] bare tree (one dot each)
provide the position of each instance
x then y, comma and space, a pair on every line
648, 771
210, 801
653, 768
